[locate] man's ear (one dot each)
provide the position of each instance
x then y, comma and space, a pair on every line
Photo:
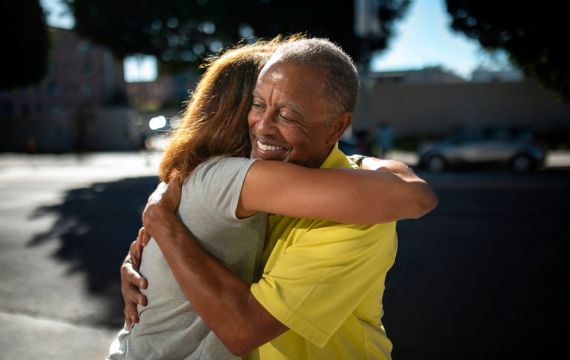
338, 126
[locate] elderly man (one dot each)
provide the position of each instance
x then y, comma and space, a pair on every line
320, 294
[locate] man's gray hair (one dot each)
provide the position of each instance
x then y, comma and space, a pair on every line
341, 82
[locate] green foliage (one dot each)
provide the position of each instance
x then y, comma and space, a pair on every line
533, 34
183, 32
25, 43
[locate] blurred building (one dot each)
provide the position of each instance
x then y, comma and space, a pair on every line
80, 105
427, 75
482, 74
433, 102
167, 91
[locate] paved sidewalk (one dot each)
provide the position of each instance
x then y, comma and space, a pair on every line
24, 337
46, 308
75, 167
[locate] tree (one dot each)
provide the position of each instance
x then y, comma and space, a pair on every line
533, 34
183, 32
323, 18
25, 43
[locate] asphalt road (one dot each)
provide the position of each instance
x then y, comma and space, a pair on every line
481, 277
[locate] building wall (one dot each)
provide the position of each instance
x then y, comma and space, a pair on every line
82, 78
167, 91
433, 109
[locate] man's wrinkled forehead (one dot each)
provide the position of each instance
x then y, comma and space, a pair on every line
272, 61
268, 73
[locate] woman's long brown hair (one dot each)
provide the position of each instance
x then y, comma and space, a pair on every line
215, 120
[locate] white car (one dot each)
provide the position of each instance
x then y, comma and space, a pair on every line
515, 148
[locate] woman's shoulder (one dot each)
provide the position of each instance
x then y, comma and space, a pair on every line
217, 169
215, 186
221, 164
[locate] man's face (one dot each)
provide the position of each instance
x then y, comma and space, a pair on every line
289, 119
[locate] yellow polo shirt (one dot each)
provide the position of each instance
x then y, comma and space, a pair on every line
325, 281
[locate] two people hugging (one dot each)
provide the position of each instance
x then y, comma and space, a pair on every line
265, 240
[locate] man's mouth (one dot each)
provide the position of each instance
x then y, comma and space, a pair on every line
266, 147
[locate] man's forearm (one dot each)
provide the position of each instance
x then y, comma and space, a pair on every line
418, 197
221, 298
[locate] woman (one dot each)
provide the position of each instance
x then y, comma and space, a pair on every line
209, 152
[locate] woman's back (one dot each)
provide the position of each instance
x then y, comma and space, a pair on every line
169, 327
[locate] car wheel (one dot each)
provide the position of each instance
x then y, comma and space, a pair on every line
435, 164
522, 164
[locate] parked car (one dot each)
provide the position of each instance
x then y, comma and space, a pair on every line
515, 148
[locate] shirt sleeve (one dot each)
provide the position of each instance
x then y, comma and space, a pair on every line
321, 279
220, 180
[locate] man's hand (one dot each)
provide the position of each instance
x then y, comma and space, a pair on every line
165, 199
132, 280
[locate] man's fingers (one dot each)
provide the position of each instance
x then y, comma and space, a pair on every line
135, 253
131, 314
173, 193
143, 237
132, 294
136, 297
140, 235
131, 277
132, 281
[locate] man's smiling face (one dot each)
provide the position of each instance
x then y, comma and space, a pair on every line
289, 119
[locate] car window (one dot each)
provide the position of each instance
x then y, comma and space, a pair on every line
501, 134
472, 136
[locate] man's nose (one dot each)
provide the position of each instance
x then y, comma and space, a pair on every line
265, 125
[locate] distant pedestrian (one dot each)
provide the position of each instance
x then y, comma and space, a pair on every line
385, 139
363, 142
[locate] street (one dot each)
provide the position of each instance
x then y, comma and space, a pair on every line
481, 277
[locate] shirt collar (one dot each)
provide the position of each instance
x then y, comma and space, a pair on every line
336, 159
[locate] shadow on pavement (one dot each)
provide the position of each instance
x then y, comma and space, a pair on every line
95, 227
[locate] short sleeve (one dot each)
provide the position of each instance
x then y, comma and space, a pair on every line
220, 180
321, 279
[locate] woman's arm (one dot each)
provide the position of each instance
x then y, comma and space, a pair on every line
391, 192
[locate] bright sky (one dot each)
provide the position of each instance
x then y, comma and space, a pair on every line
423, 38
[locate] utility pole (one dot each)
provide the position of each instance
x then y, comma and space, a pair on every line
366, 27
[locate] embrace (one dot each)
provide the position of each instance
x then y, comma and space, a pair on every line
264, 240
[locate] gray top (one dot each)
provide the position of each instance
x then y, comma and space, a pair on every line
169, 328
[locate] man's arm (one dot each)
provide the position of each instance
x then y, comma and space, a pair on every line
222, 299
425, 197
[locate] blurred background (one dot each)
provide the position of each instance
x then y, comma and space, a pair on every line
474, 95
